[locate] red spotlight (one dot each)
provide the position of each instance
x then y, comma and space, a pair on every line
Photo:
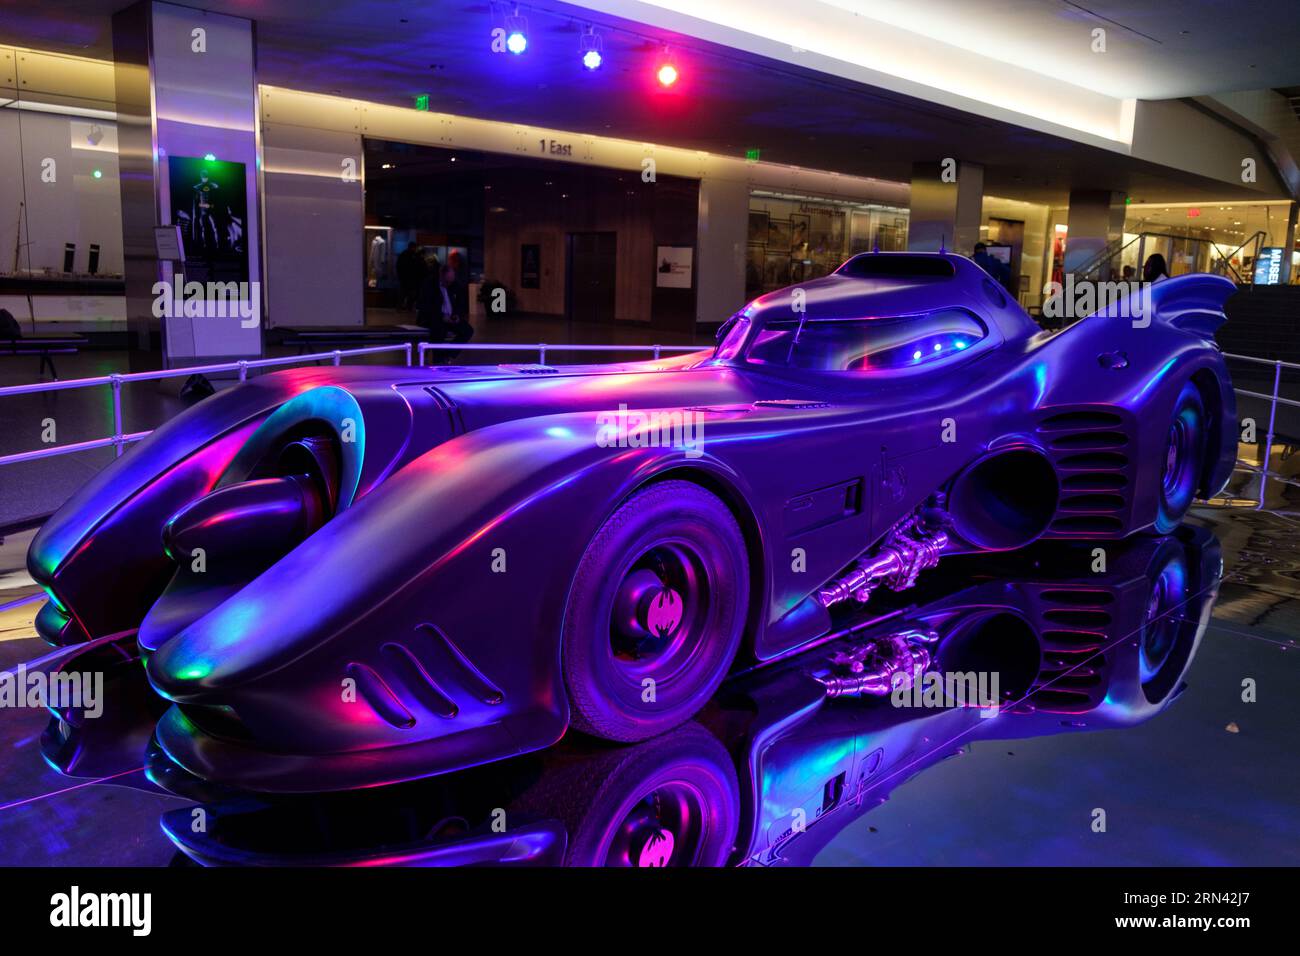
667, 75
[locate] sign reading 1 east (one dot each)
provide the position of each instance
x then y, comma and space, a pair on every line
1268, 266
553, 147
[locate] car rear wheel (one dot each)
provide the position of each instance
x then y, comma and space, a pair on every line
656, 612
1184, 453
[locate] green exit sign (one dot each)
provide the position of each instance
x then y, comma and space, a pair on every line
751, 155
422, 102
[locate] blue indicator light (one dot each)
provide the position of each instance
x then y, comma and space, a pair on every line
516, 42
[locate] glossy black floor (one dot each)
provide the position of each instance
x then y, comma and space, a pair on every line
1123, 748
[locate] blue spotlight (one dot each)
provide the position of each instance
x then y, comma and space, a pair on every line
516, 34
590, 48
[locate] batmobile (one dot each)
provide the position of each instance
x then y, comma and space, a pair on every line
345, 577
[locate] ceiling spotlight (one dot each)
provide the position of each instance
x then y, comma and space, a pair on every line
590, 49
516, 34
667, 75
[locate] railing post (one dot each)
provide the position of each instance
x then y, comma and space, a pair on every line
338, 357
541, 353
408, 355
117, 416
243, 370
656, 352
1268, 439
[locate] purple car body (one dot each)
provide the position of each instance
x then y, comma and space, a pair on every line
344, 577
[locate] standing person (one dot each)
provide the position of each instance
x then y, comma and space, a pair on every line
1155, 269
410, 273
994, 266
460, 290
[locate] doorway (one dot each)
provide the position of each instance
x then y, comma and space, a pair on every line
590, 274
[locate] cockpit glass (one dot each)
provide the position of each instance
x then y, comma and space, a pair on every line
734, 339
865, 345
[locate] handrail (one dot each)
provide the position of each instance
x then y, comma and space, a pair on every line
119, 439
542, 348
1117, 246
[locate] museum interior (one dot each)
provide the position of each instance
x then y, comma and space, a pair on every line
530, 186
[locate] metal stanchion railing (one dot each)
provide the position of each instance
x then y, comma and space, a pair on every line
416, 356
118, 439
1273, 400
656, 351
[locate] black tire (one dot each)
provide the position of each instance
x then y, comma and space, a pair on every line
1169, 623
1182, 460
657, 604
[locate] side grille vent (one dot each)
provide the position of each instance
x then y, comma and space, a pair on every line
1090, 447
1078, 617
1070, 677
375, 691
425, 676
1075, 421
532, 369
794, 404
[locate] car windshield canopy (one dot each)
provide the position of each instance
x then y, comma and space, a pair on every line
865, 345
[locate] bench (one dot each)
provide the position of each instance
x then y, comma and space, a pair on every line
44, 346
353, 337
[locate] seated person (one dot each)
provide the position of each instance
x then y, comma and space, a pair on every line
435, 312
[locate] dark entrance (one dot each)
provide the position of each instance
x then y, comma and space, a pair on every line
590, 274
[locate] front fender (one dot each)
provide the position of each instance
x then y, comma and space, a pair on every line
427, 614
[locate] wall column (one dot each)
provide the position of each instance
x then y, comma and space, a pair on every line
722, 228
1096, 219
946, 207
187, 112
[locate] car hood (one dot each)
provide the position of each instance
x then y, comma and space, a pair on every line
486, 396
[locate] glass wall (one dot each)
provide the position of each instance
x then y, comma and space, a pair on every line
1223, 238
61, 259
793, 239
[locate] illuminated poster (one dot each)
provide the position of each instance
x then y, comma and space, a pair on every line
209, 202
1268, 266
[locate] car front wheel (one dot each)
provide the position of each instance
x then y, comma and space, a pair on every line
656, 612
